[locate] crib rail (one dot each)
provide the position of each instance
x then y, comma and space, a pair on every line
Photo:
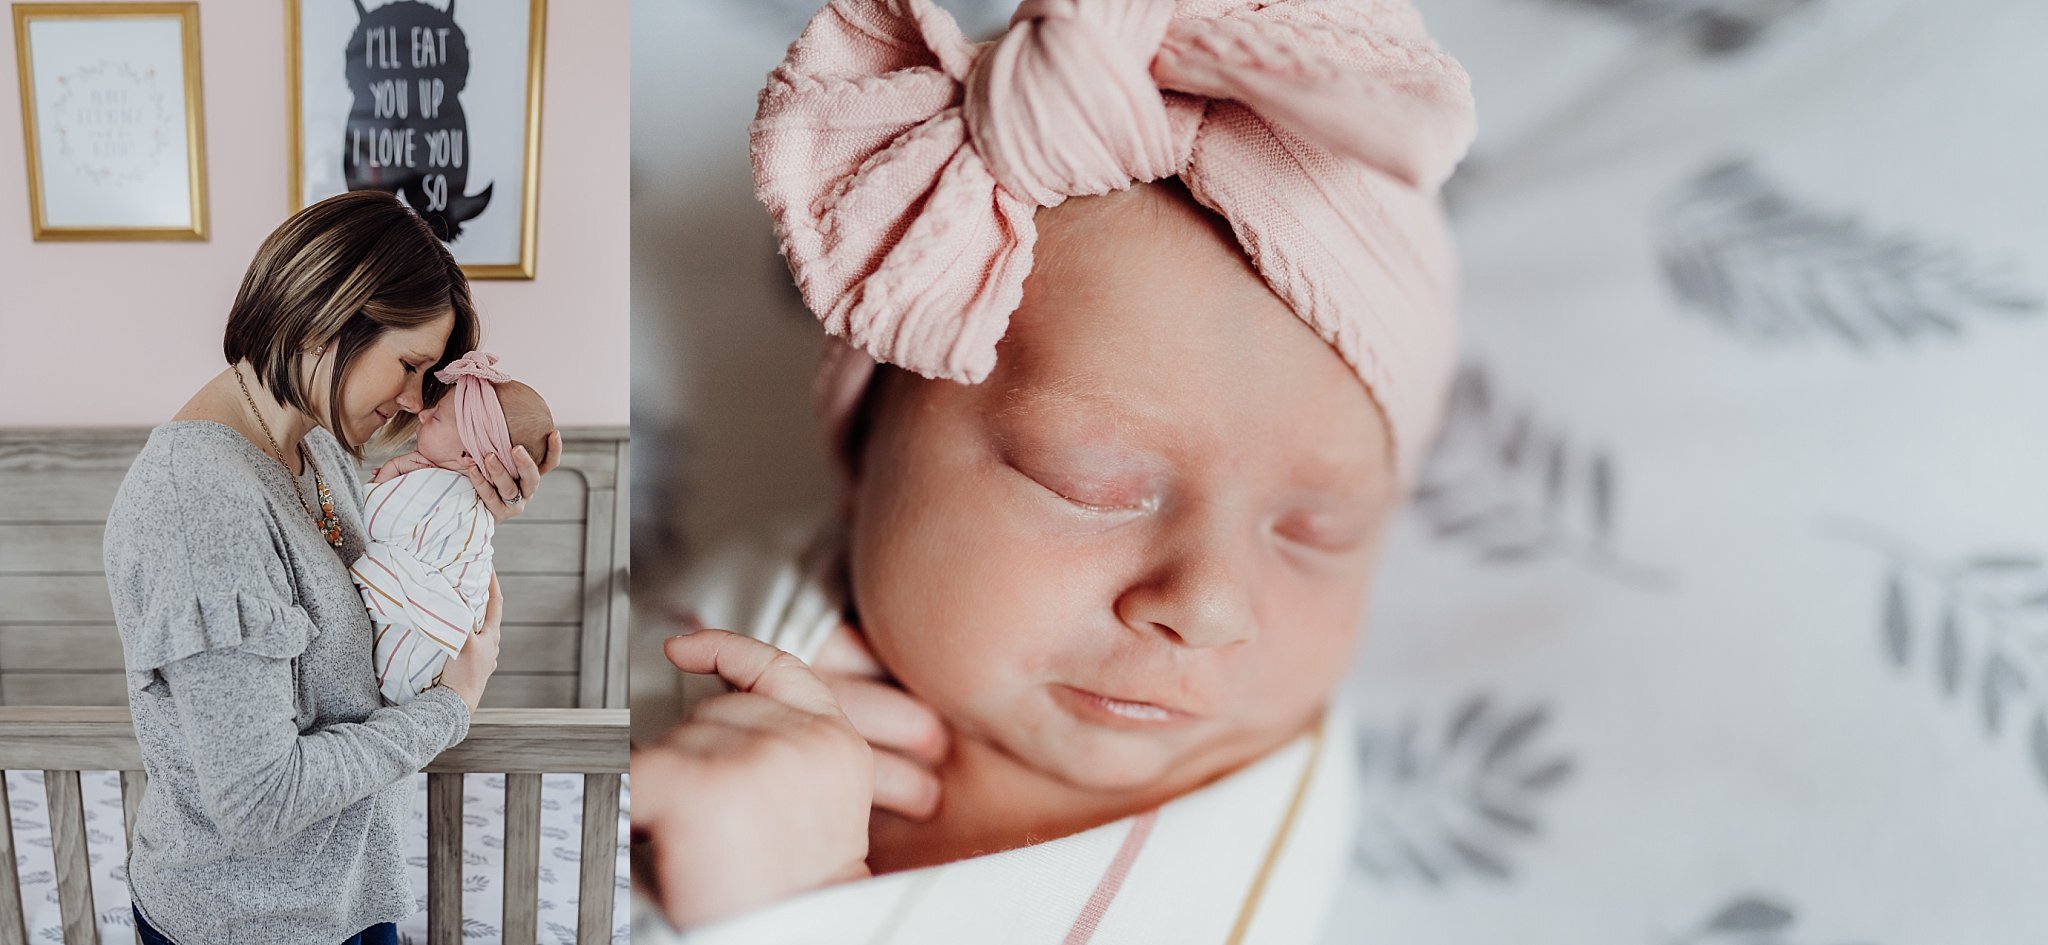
521, 744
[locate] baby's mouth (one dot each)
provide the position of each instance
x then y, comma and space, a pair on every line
1102, 709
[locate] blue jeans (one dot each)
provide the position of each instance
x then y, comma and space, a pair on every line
383, 933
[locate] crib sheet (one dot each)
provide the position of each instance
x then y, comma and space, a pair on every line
483, 854
1722, 612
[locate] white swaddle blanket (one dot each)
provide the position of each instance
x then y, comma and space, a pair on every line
1252, 858
425, 574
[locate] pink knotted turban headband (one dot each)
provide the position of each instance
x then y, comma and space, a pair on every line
903, 165
479, 418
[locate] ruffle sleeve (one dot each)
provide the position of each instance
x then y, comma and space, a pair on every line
178, 627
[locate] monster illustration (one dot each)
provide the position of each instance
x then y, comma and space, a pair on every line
407, 65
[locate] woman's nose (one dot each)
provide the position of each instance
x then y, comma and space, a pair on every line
410, 398
1198, 594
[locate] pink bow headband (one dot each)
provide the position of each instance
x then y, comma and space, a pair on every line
479, 418
903, 165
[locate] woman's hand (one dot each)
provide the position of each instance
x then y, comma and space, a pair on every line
759, 794
471, 668
506, 492
908, 738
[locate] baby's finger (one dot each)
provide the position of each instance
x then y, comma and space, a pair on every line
752, 666
905, 787
845, 652
892, 719
750, 711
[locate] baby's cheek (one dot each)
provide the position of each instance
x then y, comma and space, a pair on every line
1307, 644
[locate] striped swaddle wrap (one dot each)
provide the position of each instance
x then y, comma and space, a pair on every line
425, 574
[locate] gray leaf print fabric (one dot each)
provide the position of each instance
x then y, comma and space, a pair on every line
1769, 326
1512, 487
1767, 269
1713, 27
1451, 800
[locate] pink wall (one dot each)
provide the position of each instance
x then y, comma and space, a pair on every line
115, 334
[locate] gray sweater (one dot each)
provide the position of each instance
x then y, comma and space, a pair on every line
279, 793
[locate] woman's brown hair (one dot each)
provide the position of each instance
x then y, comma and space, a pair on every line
339, 273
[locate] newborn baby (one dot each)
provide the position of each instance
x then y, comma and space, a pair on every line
1166, 300
426, 570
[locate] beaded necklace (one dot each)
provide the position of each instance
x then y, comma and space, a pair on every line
328, 522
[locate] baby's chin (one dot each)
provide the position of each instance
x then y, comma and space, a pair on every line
1092, 758
1094, 766
1107, 760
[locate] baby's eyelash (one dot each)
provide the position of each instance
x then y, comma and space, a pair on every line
1149, 503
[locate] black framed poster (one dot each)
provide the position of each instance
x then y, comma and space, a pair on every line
435, 101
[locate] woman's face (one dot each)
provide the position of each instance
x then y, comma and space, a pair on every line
1138, 554
385, 378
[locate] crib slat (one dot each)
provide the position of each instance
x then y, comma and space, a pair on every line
13, 921
67, 849
522, 857
599, 859
444, 859
133, 783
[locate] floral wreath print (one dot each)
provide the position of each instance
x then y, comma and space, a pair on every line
111, 122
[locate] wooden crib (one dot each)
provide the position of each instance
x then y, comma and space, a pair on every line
556, 704
522, 744
562, 564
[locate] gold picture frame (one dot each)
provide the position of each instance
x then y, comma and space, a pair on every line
41, 176
521, 267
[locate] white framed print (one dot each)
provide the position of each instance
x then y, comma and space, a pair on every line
437, 101
112, 118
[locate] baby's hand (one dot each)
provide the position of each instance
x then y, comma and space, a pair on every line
399, 466
759, 794
908, 738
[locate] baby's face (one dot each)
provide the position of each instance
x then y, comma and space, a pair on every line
438, 440
1138, 554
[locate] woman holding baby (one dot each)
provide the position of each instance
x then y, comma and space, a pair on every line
278, 801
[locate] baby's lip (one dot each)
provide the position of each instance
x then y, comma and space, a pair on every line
1122, 707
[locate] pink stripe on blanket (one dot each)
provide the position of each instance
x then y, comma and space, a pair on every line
1112, 880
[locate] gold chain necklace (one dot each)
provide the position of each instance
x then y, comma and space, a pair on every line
328, 522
